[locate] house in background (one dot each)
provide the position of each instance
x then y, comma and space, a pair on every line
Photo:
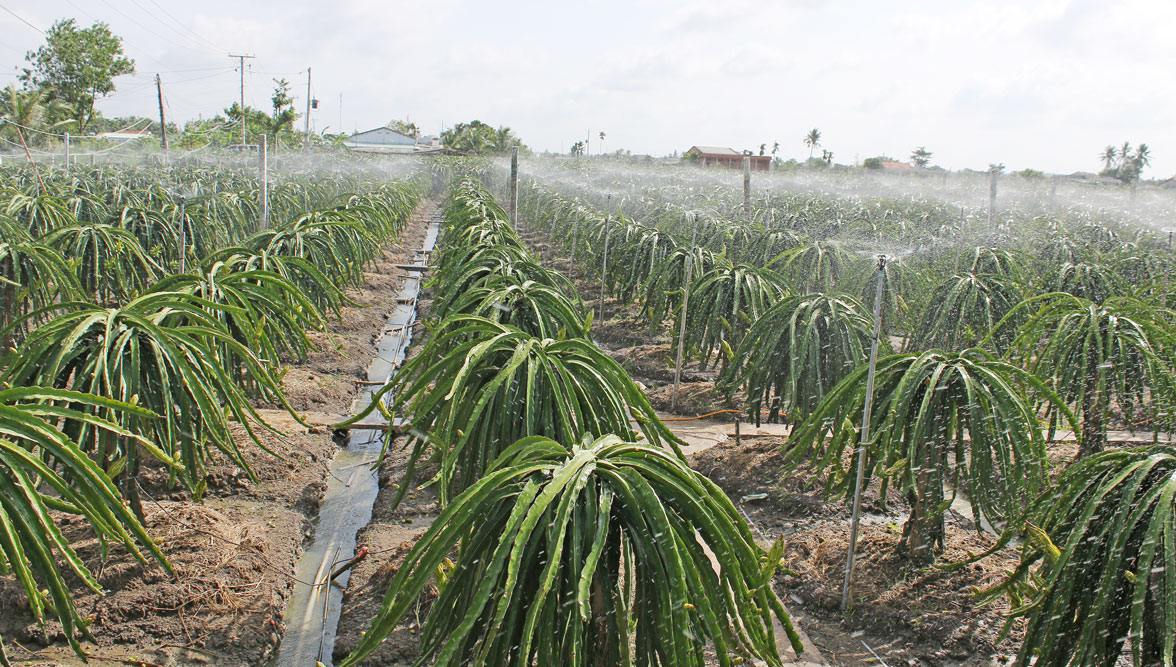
126, 135
387, 140
727, 157
381, 140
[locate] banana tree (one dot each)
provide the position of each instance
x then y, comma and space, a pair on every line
592, 555
946, 422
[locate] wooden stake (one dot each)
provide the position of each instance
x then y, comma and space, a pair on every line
747, 188
162, 122
29, 157
682, 317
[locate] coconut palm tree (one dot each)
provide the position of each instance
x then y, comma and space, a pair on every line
29, 108
1142, 157
1109, 155
812, 140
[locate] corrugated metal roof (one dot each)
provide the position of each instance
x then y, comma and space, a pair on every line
383, 136
716, 150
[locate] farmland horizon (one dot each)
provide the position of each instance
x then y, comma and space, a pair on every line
1037, 87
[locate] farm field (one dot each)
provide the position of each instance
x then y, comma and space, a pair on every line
644, 417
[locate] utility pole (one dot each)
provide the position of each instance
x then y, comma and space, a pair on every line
307, 147
241, 66
162, 123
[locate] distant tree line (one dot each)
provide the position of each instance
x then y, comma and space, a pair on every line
478, 138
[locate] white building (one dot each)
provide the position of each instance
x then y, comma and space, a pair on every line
381, 140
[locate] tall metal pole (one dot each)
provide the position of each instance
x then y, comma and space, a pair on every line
747, 188
162, 122
682, 317
67, 152
865, 435
241, 66
307, 146
604, 263
263, 177
514, 187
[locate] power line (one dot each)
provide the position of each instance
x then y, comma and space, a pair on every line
19, 18
185, 26
80, 10
169, 27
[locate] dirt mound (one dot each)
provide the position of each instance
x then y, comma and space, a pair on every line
909, 616
225, 600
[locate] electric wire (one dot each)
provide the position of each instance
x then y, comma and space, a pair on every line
21, 19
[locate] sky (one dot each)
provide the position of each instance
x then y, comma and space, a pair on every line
1042, 84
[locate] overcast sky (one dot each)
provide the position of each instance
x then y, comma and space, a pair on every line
1030, 83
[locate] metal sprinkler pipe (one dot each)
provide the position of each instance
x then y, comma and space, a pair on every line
865, 436
682, 317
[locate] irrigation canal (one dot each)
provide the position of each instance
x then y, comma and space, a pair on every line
312, 613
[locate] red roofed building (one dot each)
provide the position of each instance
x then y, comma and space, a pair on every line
728, 157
